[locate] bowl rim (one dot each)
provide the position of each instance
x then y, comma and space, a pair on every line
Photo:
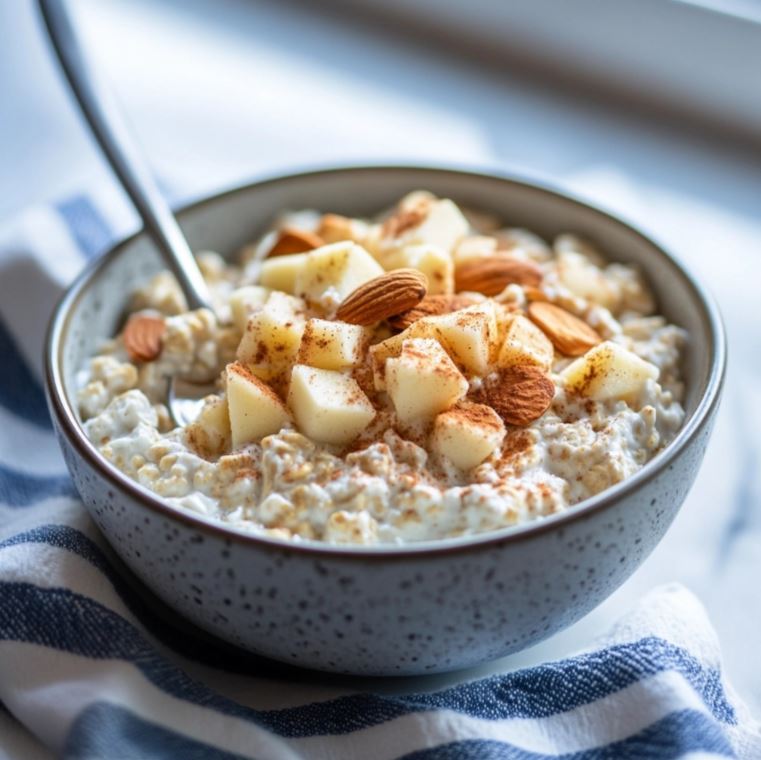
71, 427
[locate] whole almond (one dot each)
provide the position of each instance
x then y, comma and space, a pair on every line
383, 297
292, 240
142, 337
490, 275
519, 394
569, 334
432, 306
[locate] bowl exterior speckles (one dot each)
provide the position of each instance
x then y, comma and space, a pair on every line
393, 610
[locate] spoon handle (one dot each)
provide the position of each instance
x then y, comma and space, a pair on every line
128, 164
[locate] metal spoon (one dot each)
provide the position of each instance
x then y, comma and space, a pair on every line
128, 164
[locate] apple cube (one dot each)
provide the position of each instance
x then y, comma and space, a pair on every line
608, 371
443, 226
423, 381
329, 407
281, 272
467, 434
433, 262
525, 343
272, 336
341, 266
332, 345
475, 247
255, 409
209, 434
468, 335
245, 301
586, 280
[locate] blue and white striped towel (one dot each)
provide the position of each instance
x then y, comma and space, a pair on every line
88, 669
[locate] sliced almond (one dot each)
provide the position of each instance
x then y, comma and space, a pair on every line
383, 297
142, 337
292, 240
519, 394
569, 334
432, 306
490, 275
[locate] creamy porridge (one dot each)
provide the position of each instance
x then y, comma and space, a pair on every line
426, 374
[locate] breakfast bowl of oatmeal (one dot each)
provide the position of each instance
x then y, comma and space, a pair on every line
430, 418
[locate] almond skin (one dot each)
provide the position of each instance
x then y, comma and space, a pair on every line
519, 394
382, 297
292, 240
142, 337
490, 275
431, 306
569, 334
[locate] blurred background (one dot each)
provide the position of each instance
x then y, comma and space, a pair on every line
650, 108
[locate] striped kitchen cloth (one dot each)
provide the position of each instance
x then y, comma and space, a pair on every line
89, 669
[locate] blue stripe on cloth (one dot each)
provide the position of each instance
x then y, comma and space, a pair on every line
20, 392
671, 737
86, 225
105, 730
20, 489
87, 628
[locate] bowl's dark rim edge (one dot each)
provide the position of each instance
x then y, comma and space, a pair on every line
69, 424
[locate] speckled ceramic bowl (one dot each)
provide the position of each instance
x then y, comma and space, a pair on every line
423, 608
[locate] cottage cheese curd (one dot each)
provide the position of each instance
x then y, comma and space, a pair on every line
452, 416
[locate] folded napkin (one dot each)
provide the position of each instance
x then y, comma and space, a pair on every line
90, 667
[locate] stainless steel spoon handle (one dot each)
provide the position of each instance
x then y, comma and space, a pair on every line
125, 159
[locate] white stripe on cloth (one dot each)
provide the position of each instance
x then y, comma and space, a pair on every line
47, 689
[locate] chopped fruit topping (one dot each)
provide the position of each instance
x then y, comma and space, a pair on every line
608, 371
329, 407
467, 434
331, 345
342, 267
255, 409
423, 381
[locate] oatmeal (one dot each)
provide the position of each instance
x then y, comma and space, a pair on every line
421, 375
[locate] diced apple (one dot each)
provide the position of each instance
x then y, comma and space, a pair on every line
329, 407
433, 262
209, 433
525, 343
608, 371
586, 280
332, 345
341, 266
423, 381
468, 335
255, 409
475, 247
392, 347
272, 336
467, 434
281, 272
245, 301
443, 225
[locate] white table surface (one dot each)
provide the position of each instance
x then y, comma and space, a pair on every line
220, 92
